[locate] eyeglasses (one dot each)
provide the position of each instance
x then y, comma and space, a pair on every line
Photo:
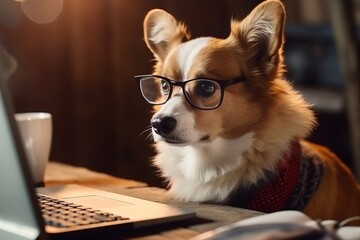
201, 93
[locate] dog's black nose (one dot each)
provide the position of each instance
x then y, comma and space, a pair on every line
163, 125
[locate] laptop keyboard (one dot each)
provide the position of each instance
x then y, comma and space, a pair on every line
63, 214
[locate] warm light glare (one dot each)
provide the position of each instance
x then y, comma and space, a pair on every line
42, 11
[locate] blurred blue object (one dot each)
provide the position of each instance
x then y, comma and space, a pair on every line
311, 56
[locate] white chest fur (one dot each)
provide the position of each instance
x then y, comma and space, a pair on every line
204, 172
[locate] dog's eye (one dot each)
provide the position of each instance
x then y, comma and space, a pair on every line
205, 88
165, 87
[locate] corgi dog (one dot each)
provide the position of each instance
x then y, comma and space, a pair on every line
229, 128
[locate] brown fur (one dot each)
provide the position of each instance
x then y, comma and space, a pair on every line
339, 193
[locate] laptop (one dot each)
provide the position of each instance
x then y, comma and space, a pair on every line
23, 208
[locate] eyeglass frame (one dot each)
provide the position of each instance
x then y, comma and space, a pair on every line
222, 83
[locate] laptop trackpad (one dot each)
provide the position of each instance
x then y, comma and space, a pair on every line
98, 202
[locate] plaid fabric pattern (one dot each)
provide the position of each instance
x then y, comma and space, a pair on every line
290, 188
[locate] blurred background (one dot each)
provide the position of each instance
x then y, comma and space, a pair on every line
77, 58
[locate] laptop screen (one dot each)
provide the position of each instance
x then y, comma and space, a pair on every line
18, 217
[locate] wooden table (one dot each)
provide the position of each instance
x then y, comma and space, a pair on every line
209, 216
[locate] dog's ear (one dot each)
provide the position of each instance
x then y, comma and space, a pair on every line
261, 32
162, 31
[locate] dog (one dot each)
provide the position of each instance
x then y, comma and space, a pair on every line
229, 128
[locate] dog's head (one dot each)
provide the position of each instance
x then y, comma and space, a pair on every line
202, 110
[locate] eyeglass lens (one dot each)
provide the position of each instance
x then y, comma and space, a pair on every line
155, 90
203, 93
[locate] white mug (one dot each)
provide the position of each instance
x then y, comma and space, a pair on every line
36, 133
